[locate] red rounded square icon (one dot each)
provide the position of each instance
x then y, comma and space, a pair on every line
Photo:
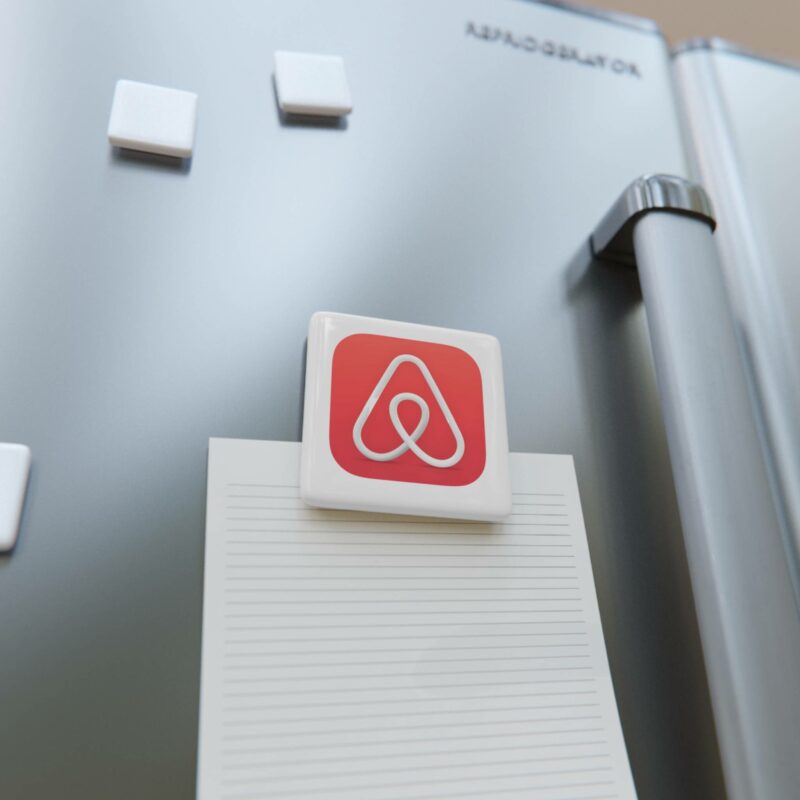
407, 410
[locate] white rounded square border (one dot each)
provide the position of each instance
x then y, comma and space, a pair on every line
325, 484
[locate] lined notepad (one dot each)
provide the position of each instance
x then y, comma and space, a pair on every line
350, 655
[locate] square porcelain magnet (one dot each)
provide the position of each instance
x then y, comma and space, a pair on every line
153, 119
308, 83
404, 418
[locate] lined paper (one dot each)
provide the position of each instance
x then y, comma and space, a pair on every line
350, 655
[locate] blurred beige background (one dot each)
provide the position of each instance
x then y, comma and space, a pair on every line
771, 27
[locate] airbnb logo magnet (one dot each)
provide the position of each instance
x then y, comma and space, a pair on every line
404, 418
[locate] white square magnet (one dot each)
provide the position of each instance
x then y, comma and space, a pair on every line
15, 465
404, 418
307, 83
153, 119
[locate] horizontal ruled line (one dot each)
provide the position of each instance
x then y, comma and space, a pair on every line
404, 701
435, 636
402, 650
339, 543
294, 602
536, 514
393, 566
382, 579
416, 675
363, 787
549, 505
268, 485
504, 659
427, 767
297, 488
342, 517
305, 509
506, 748
405, 625
472, 737
422, 727
471, 612
562, 669
416, 768
265, 496
417, 684
484, 557
366, 591
415, 532
517, 790
410, 525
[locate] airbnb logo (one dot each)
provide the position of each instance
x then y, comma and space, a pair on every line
409, 439
406, 410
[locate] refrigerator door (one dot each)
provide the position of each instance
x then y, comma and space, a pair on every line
742, 114
146, 305
734, 539
742, 118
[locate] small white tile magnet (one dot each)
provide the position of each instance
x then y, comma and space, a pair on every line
153, 119
15, 465
312, 84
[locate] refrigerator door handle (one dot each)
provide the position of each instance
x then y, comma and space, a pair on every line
735, 542
612, 239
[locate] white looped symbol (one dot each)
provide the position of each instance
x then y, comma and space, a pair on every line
409, 440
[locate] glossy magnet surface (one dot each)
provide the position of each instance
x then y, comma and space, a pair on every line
312, 84
153, 119
404, 418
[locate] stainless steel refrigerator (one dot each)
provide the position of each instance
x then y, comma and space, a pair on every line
741, 115
146, 305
